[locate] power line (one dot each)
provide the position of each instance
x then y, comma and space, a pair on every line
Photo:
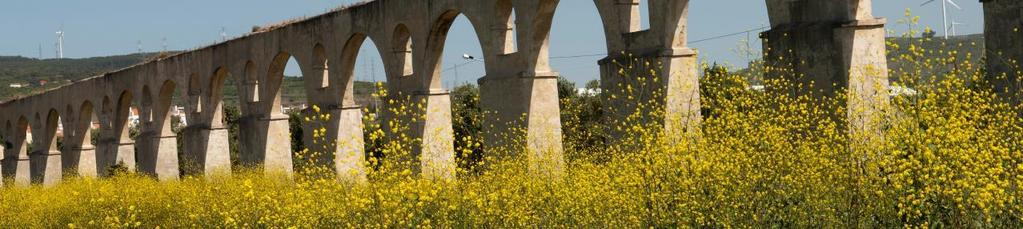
692, 42
578, 56
728, 35
462, 64
605, 54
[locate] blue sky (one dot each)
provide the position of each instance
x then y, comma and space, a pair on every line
112, 27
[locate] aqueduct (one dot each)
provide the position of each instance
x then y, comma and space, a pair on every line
831, 41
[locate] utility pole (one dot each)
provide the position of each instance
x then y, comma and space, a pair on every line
373, 74
223, 33
455, 83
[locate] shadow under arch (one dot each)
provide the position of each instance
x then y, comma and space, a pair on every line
45, 159
16, 161
209, 149
505, 38
273, 139
123, 153
162, 145
81, 158
321, 67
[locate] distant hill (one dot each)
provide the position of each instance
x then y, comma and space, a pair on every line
35, 75
31, 75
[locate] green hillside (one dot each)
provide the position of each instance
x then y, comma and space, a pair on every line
36, 75
968, 48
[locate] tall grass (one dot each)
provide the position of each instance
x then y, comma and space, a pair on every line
951, 156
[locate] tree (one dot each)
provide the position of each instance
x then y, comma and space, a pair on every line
718, 84
929, 33
467, 122
582, 121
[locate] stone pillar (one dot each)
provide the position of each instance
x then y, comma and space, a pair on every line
45, 160
145, 144
86, 165
218, 151
164, 142
636, 85
166, 167
350, 156
207, 150
436, 152
23, 170
3, 161
523, 111
106, 152
79, 153
125, 153
828, 47
519, 94
116, 146
650, 75
1003, 33
276, 155
46, 168
16, 163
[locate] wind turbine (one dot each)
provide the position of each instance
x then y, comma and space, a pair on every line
60, 43
944, 12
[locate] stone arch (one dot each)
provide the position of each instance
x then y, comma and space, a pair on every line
251, 82
349, 57
164, 104
6, 137
195, 93
674, 24
435, 49
275, 151
216, 95
349, 154
81, 157
70, 135
49, 134
16, 157
275, 80
402, 46
46, 165
505, 41
107, 108
68, 122
321, 67
627, 29
642, 20
144, 145
20, 134
536, 38
161, 146
146, 106
124, 152
83, 125
211, 143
